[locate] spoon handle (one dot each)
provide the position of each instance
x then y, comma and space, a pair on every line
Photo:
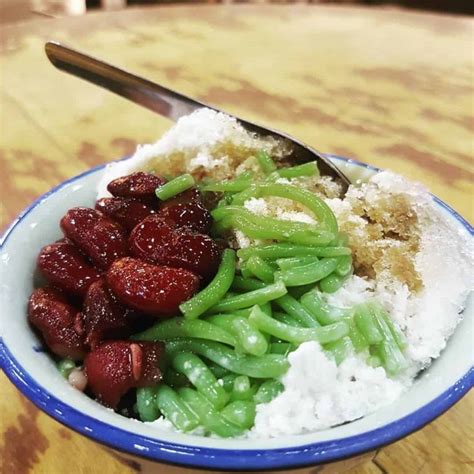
153, 96
169, 103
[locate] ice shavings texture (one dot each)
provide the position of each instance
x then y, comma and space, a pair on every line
444, 262
202, 142
441, 257
319, 394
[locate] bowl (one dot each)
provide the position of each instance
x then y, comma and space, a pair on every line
34, 373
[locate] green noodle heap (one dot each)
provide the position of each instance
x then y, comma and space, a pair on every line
229, 349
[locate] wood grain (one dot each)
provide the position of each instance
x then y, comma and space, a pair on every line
389, 87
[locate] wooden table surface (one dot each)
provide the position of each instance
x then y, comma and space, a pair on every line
389, 87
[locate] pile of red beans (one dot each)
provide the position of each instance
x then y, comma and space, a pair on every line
121, 265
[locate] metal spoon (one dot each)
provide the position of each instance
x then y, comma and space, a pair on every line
169, 103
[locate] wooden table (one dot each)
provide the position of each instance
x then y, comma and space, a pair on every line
389, 87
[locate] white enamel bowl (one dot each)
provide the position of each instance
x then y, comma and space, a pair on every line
35, 375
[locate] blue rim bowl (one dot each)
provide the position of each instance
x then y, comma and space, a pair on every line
228, 458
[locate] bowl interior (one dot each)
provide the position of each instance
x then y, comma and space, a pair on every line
34, 372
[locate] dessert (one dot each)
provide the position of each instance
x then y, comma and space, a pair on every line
219, 290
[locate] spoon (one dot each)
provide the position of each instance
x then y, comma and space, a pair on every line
169, 103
